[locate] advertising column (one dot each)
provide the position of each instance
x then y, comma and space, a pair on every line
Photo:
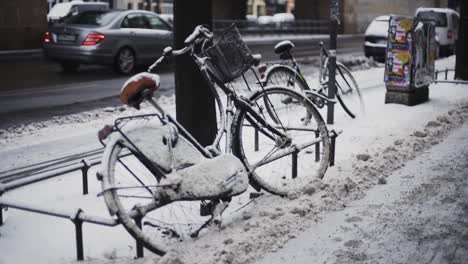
409, 66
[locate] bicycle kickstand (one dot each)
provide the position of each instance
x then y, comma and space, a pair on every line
215, 217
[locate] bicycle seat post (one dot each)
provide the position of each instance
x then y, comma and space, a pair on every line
293, 60
153, 102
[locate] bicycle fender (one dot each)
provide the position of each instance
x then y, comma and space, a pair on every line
264, 79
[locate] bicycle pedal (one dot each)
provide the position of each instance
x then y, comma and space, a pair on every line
254, 195
206, 208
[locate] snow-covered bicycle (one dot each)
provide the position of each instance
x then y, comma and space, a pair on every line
164, 186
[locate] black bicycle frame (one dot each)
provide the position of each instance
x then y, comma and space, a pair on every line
239, 102
211, 79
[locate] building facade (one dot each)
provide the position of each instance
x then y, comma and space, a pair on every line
357, 14
158, 6
22, 24
256, 7
24, 21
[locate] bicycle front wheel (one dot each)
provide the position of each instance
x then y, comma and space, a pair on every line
130, 191
281, 164
347, 91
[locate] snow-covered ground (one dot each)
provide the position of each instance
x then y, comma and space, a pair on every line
371, 152
419, 216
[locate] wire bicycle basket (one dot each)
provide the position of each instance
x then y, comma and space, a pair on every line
230, 56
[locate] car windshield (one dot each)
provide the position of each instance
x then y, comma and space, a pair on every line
378, 28
440, 18
96, 18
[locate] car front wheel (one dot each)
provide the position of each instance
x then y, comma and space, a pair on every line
125, 61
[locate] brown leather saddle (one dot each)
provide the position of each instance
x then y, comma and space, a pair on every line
137, 87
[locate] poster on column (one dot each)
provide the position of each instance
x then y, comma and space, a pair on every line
398, 62
424, 53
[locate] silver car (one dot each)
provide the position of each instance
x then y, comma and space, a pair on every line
123, 39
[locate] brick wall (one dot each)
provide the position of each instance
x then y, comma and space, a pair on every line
22, 23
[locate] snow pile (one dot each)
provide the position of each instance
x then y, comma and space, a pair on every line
420, 217
12, 132
353, 62
393, 157
272, 220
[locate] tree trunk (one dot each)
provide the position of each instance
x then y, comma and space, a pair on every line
461, 68
195, 104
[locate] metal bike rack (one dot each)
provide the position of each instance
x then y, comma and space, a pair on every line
333, 134
78, 217
446, 80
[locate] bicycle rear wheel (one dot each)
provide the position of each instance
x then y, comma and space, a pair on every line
281, 164
347, 91
282, 75
130, 191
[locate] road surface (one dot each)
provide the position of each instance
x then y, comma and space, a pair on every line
39, 84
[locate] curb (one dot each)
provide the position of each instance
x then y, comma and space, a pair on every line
273, 39
27, 54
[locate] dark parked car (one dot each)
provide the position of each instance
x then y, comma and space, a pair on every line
123, 39
376, 37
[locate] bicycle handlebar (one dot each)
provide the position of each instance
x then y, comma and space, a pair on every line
199, 30
168, 52
199, 34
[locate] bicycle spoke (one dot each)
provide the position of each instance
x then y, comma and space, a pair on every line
285, 163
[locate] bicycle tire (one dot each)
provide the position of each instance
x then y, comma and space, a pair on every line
348, 92
164, 224
282, 75
303, 124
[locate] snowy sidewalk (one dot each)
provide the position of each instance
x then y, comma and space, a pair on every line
419, 217
390, 134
